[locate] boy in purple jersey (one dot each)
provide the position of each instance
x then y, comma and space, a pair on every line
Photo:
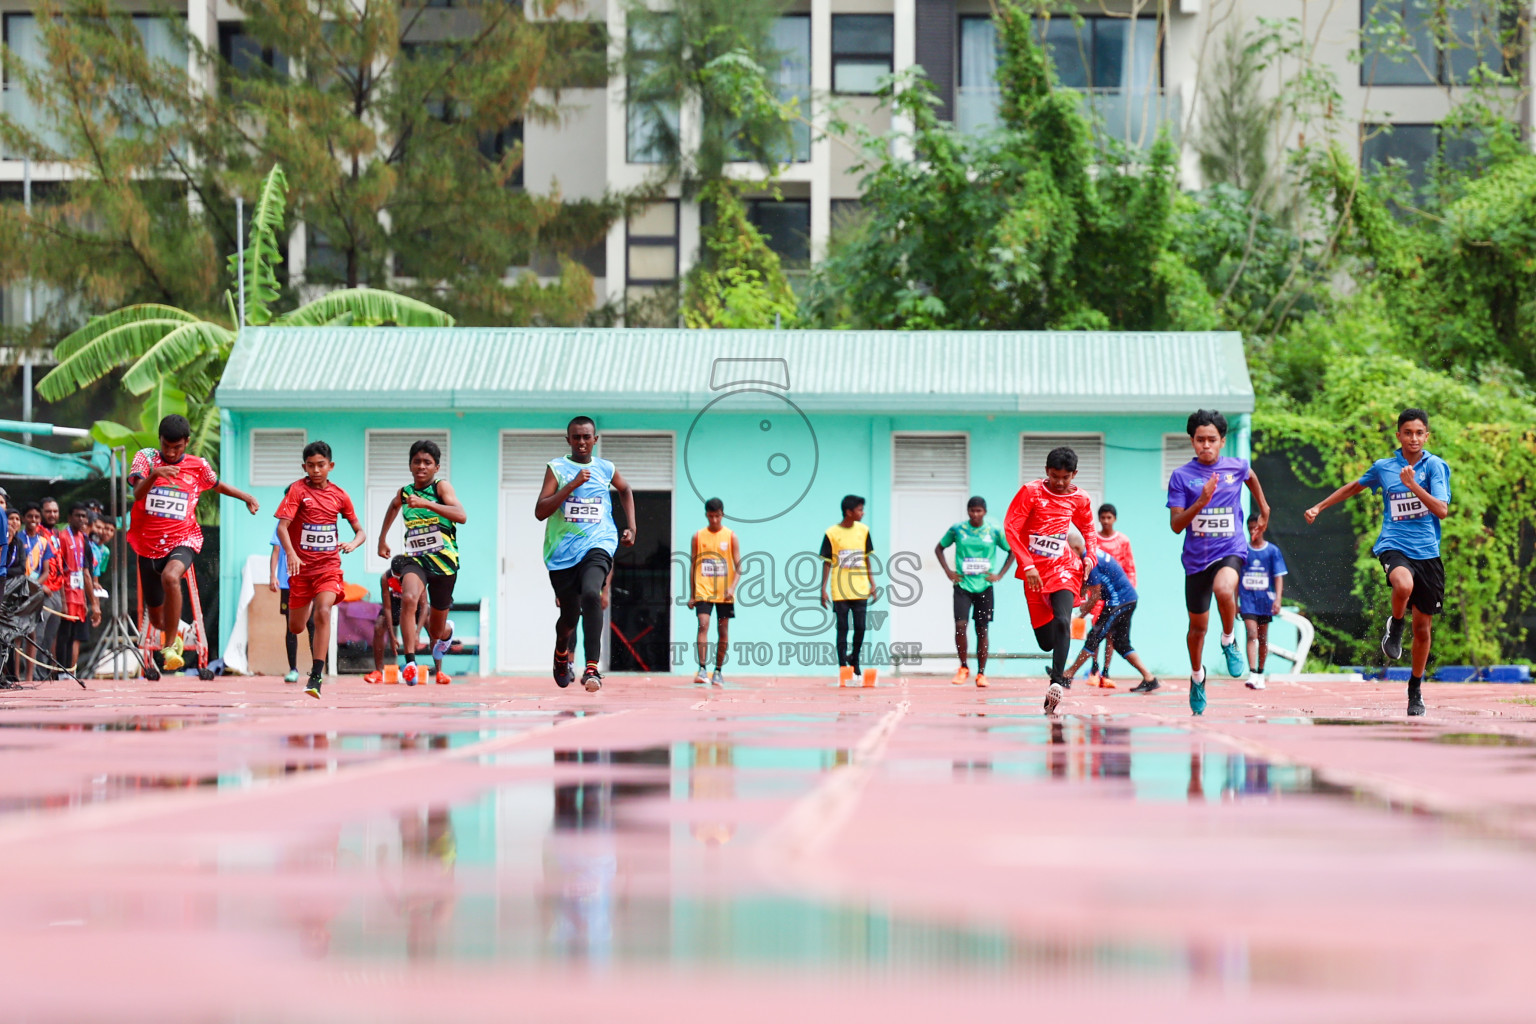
1205, 503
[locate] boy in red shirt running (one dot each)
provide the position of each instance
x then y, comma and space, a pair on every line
163, 531
310, 537
1037, 524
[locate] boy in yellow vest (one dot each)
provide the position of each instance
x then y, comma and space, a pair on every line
716, 568
845, 576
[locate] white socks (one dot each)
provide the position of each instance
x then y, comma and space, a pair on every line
1228, 639
1198, 677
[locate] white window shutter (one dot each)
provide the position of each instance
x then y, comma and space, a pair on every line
645, 461
525, 453
1176, 451
277, 457
387, 468
939, 463
1033, 448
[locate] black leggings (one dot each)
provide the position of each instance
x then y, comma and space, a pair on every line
1056, 636
579, 590
843, 610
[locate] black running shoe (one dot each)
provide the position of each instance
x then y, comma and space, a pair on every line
1066, 682
1150, 686
314, 686
1415, 702
592, 679
1392, 639
565, 672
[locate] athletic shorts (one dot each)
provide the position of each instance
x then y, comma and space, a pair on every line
1199, 586
151, 568
439, 588
567, 582
305, 587
282, 600
977, 605
1114, 623
1428, 579
69, 631
1040, 610
722, 609
1262, 620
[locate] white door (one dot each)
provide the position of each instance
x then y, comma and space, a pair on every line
930, 482
526, 613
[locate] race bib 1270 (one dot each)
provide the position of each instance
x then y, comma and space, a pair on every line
1406, 505
318, 537
1214, 522
166, 503
576, 511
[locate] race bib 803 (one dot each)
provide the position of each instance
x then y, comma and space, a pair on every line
319, 537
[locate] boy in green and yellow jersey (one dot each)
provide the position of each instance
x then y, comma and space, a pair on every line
432, 515
976, 541
846, 580
716, 558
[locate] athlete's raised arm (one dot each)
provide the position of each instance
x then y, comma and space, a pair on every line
1344, 493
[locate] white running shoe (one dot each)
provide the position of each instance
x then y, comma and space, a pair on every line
1255, 681
1053, 697
440, 647
701, 678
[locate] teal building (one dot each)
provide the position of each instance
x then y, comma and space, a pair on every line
778, 424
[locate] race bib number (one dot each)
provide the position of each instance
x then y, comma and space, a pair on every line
424, 540
77, 580
712, 568
1047, 545
975, 566
582, 511
319, 537
1214, 522
166, 502
1406, 505
1255, 581
848, 558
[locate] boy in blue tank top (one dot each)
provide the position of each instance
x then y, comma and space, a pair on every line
1415, 487
580, 539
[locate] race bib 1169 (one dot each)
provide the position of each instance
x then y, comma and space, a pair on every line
424, 540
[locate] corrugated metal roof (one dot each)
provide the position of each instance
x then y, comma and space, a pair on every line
833, 371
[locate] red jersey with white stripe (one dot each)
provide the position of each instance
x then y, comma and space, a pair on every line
314, 529
167, 517
1036, 527
1119, 547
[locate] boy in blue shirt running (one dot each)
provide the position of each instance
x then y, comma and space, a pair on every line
1258, 599
1416, 494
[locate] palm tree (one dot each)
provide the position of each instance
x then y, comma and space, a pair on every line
175, 358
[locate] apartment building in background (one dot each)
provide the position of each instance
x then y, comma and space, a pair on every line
1138, 65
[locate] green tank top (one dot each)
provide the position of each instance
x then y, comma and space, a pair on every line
429, 538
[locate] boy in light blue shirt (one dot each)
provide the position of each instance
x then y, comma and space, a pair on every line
1416, 494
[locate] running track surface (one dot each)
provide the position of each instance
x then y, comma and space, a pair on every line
774, 850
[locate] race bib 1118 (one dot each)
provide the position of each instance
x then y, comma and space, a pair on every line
1406, 505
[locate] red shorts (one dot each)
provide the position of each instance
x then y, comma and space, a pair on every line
1063, 574
303, 588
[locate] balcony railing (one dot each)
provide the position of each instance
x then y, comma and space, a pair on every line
1132, 116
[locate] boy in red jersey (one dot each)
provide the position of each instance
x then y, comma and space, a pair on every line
310, 538
1037, 525
163, 530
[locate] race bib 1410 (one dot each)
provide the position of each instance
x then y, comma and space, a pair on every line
1047, 545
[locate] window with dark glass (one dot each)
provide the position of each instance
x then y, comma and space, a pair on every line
1101, 52
245, 57
1435, 42
1418, 149
786, 227
863, 49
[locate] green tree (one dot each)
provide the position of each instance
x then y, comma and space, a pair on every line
400, 126
737, 281
1034, 226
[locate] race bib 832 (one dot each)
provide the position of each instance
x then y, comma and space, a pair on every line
576, 511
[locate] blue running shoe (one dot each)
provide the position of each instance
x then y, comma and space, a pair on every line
1236, 664
1196, 697
440, 647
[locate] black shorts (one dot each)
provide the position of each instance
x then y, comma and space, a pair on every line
1428, 579
1262, 620
977, 605
282, 601
722, 609
1199, 586
70, 630
439, 588
1114, 623
567, 582
151, 568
